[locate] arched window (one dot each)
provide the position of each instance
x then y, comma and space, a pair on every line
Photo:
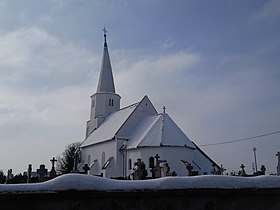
129, 164
110, 102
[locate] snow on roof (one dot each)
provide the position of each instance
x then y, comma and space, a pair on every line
159, 130
108, 129
87, 182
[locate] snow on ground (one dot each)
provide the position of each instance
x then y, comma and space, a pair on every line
87, 182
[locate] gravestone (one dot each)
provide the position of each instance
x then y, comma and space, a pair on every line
278, 166
263, 169
166, 169
42, 172
189, 168
157, 169
10, 174
214, 170
29, 170
140, 171
53, 172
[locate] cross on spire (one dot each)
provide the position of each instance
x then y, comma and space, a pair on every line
105, 35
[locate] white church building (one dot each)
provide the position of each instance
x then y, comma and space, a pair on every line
116, 138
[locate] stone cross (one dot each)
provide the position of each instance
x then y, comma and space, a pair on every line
278, 166
42, 172
222, 170
242, 172
53, 172
157, 157
157, 168
86, 168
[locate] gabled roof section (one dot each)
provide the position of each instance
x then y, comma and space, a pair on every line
110, 126
159, 130
106, 80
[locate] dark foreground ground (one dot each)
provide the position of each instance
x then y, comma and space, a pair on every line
200, 199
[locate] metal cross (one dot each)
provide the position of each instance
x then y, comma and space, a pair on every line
105, 31
164, 108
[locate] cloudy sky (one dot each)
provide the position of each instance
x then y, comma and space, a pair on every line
214, 64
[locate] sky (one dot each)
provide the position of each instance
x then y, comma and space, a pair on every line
214, 65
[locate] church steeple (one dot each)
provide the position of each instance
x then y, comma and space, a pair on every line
105, 101
106, 80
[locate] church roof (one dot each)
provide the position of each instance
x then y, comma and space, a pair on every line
110, 126
159, 130
106, 80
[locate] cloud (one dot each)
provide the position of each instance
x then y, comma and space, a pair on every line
41, 76
30, 56
270, 11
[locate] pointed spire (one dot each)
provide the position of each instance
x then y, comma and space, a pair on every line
106, 80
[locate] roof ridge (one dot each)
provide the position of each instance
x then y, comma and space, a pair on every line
149, 128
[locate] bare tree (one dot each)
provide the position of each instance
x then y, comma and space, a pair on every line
66, 162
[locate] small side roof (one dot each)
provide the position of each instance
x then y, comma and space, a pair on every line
159, 130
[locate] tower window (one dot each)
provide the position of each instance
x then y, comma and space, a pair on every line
111, 102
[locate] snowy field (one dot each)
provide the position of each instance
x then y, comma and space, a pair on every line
86, 182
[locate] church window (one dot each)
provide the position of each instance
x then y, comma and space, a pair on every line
129, 164
110, 102
92, 164
89, 159
107, 162
92, 103
151, 162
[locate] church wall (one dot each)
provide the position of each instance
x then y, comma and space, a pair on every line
100, 152
203, 161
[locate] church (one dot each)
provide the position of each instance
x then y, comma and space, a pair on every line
121, 141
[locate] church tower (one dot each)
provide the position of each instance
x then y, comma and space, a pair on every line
105, 100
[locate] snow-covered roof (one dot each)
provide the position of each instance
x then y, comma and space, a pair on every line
159, 130
108, 129
87, 182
